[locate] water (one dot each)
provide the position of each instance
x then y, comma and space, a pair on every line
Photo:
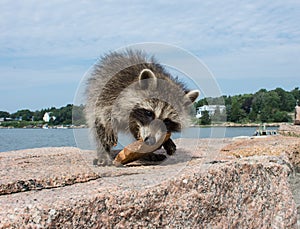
15, 139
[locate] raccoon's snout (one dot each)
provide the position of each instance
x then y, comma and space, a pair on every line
150, 140
153, 133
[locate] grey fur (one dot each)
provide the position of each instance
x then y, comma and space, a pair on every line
127, 91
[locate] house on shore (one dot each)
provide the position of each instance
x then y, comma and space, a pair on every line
5, 119
211, 109
47, 117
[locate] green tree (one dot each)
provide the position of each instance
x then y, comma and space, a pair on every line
262, 106
4, 114
246, 102
281, 116
258, 101
228, 100
296, 93
253, 116
200, 103
62, 115
205, 119
38, 115
218, 116
228, 111
287, 100
78, 115
237, 114
25, 114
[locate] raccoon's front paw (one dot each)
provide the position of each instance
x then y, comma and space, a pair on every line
102, 162
169, 146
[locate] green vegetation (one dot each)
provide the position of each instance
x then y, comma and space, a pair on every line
23, 124
264, 106
27, 118
205, 119
4, 114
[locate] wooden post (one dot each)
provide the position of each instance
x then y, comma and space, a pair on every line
297, 115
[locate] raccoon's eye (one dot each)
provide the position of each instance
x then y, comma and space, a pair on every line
149, 113
141, 115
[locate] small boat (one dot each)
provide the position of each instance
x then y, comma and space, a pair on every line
262, 131
45, 126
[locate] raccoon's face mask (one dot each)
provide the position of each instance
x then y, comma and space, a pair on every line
146, 126
155, 116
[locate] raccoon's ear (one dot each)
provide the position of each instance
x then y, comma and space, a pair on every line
147, 79
192, 95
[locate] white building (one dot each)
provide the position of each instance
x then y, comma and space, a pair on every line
47, 117
211, 110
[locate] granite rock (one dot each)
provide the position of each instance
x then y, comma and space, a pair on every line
199, 186
289, 130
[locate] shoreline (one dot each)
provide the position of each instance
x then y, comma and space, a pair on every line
49, 127
226, 124
231, 124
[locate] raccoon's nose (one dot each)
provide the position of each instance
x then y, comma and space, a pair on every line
150, 140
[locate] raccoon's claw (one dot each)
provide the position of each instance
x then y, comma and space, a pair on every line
169, 146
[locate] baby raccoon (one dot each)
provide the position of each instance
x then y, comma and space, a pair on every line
131, 92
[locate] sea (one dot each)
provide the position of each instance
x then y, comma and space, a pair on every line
17, 139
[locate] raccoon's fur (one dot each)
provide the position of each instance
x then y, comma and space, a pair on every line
129, 91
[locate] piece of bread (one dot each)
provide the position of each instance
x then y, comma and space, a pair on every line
136, 150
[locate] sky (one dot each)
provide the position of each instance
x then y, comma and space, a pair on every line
47, 46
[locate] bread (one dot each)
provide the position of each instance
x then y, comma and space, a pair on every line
136, 150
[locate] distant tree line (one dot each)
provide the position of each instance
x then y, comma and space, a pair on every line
63, 116
263, 106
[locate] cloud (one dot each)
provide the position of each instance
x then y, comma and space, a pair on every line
84, 27
268, 62
59, 39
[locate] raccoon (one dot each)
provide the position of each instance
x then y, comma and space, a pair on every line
131, 92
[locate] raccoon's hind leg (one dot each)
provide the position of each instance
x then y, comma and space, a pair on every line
169, 146
106, 139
